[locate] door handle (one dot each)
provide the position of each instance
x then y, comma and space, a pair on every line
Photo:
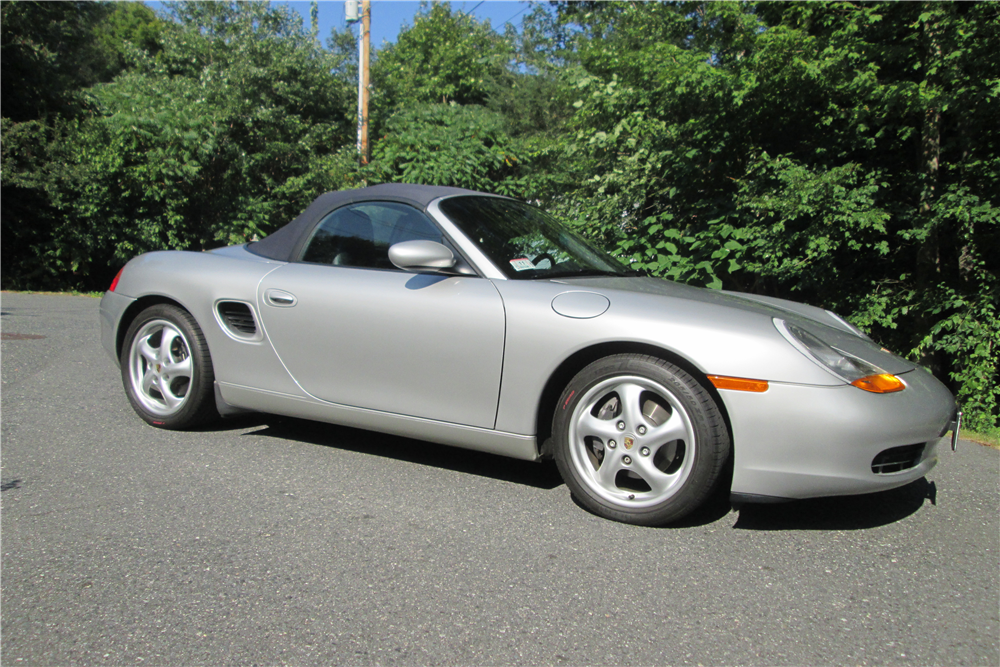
280, 298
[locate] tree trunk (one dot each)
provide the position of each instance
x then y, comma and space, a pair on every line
928, 269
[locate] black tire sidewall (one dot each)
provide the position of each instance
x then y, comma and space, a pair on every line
711, 436
200, 404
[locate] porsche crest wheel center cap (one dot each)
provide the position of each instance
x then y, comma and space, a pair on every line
629, 441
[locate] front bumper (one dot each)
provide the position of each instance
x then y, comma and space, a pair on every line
113, 306
805, 441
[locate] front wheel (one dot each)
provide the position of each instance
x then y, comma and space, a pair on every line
638, 440
167, 369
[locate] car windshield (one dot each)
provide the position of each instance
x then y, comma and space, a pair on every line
525, 242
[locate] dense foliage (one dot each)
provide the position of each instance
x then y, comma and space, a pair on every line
221, 133
841, 154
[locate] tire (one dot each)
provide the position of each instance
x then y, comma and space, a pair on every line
167, 369
638, 440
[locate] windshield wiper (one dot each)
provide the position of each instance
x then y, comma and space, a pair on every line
582, 273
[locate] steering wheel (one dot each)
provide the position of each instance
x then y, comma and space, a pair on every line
543, 256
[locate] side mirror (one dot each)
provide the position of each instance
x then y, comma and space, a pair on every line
418, 256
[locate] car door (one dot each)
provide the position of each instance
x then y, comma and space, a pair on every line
353, 330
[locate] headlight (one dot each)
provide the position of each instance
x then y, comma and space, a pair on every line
848, 368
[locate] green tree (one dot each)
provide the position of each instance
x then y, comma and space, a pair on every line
52, 53
129, 28
48, 52
221, 136
442, 144
534, 95
443, 57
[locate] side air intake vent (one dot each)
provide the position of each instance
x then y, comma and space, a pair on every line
897, 459
238, 318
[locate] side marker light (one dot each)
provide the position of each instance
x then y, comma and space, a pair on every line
884, 383
114, 283
738, 384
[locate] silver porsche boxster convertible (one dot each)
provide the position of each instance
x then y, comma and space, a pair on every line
479, 321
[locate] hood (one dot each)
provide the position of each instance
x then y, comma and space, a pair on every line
823, 324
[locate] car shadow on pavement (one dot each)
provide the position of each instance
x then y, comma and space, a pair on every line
842, 512
714, 509
239, 421
835, 513
541, 475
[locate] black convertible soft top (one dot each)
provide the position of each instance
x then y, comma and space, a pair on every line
285, 242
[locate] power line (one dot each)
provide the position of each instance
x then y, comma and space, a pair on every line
529, 4
516, 15
468, 14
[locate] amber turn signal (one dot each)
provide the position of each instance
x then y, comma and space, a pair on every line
737, 384
880, 384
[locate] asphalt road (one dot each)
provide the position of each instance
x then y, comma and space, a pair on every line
275, 541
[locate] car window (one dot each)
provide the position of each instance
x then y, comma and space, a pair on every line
360, 235
525, 242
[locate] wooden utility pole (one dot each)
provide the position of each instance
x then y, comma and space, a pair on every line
366, 25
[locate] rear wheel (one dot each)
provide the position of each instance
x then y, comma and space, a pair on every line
638, 440
167, 369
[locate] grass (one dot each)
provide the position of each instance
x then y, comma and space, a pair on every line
64, 293
987, 439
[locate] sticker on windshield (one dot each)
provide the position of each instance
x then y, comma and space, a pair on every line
522, 264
